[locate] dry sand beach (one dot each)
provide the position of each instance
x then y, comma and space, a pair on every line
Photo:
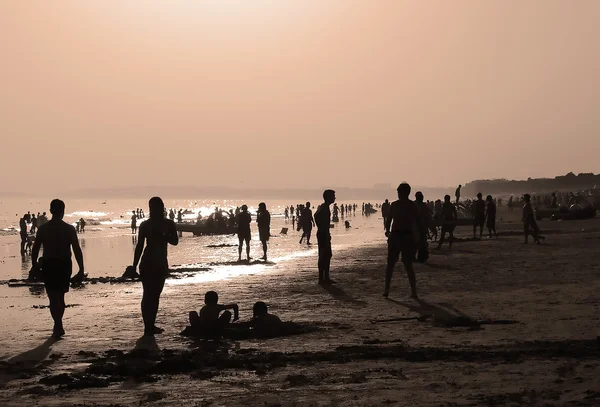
505, 324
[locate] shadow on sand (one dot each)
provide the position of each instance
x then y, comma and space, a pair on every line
339, 294
441, 266
446, 315
25, 363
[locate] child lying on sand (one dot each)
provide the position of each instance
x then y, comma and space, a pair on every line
209, 318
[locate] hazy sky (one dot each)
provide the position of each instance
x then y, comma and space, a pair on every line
306, 93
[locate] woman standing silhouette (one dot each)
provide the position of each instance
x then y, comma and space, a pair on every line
155, 232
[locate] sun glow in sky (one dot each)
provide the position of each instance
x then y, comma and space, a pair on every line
296, 93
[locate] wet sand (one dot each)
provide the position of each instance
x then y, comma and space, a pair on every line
506, 324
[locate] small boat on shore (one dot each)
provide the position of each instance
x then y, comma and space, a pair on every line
205, 228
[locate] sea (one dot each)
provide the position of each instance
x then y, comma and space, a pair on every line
108, 243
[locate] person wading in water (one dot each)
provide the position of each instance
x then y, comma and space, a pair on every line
155, 232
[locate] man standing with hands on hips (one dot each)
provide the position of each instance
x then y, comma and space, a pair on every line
323, 220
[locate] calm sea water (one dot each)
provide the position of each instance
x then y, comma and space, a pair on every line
108, 244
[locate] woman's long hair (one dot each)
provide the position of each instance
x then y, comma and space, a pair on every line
157, 208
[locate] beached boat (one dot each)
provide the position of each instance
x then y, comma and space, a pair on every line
206, 228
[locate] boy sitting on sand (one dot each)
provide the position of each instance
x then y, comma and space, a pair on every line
209, 317
265, 324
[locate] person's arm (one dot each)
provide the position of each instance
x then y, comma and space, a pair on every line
139, 248
77, 252
172, 237
388, 221
312, 219
35, 250
235, 308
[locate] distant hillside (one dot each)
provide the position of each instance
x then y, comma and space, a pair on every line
568, 182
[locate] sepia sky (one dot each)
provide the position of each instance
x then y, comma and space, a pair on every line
306, 93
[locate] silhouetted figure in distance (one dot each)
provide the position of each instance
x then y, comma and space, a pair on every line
457, 194
243, 223
57, 238
385, 211
307, 222
134, 223
529, 222
23, 233
33, 223
490, 215
449, 217
478, 215
263, 220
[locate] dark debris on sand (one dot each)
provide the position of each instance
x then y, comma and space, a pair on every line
207, 362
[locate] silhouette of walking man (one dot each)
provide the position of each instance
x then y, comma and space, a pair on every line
155, 232
323, 220
405, 232
457, 193
57, 238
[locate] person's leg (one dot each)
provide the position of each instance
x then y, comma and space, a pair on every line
451, 237
409, 250
240, 243
475, 229
526, 231
57, 310
264, 246
321, 250
150, 301
442, 236
393, 254
328, 256
410, 272
248, 248
308, 233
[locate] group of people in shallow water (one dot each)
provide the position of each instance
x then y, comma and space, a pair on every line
29, 224
407, 224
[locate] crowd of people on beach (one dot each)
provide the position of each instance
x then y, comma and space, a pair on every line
409, 226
